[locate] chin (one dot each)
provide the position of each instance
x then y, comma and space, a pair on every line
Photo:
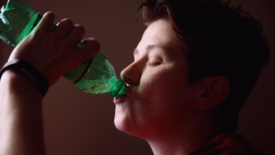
124, 124
121, 121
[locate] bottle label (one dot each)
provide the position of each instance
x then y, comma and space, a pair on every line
75, 74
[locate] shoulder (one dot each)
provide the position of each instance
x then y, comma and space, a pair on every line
228, 144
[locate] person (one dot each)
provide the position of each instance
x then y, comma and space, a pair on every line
193, 70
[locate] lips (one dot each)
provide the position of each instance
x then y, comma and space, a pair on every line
124, 97
121, 99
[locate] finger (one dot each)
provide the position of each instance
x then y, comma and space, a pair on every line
46, 21
76, 35
91, 48
64, 27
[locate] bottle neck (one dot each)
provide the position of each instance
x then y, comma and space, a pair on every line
118, 89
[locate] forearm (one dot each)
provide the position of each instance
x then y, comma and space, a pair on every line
21, 126
52, 53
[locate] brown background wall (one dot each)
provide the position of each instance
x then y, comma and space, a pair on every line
79, 123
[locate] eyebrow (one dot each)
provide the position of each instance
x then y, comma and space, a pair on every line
148, 48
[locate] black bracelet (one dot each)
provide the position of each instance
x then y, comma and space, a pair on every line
23, 66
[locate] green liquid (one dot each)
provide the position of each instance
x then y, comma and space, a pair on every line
95, 86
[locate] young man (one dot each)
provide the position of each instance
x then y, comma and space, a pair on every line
194, 68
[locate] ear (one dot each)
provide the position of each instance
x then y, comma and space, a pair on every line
213, 91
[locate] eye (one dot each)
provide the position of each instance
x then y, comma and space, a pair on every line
154, 61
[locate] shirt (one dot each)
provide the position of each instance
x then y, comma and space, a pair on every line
228, 144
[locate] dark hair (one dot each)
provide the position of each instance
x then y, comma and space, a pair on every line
218, 40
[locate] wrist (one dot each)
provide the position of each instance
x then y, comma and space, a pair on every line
15, 81
30, 71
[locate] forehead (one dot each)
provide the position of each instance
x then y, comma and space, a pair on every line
158, 33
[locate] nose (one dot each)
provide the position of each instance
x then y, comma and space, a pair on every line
131, 74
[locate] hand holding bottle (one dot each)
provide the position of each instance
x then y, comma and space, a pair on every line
54, 52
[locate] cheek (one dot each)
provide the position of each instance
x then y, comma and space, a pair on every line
164, 99
162, 84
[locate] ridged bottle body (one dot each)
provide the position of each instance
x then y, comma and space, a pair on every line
99, 77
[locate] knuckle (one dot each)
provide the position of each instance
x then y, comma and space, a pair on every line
38, 33
95, 44
80, 28
78, 58
49, 13
67, 22
65, 44
49, 16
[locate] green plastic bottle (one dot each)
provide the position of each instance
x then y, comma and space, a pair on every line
95, 75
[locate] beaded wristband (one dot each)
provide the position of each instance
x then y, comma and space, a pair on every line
31, 72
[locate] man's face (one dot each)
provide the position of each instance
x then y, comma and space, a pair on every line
159, 96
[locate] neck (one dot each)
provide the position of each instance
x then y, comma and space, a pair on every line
183, 139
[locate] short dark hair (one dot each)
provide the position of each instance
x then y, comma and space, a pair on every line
218, 40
